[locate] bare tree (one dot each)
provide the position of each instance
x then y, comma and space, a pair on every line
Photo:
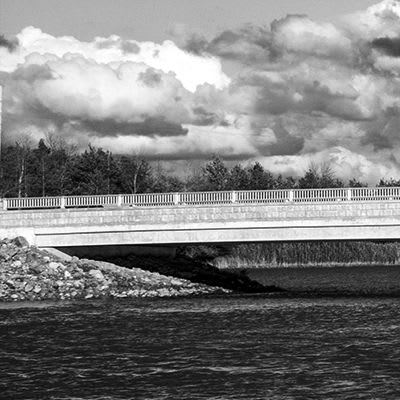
23, 145
64, 151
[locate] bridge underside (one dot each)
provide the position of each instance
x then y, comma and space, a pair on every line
215, 234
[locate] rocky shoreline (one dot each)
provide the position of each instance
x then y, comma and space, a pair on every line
30, 274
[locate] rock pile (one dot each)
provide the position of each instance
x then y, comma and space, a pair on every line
28, 273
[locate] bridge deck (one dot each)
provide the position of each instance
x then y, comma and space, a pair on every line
376, 216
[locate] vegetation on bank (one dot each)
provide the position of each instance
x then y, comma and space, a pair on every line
281, 254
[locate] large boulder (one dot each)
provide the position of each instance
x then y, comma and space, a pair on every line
20, 241
95, 273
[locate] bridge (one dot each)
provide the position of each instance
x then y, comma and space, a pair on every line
203, 217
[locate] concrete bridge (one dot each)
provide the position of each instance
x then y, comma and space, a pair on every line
203, 217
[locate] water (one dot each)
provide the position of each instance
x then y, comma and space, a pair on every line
239, 347
357, 280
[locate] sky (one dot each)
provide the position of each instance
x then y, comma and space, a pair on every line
284, 83
155, 19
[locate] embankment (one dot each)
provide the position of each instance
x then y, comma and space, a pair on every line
31, 274
197, 271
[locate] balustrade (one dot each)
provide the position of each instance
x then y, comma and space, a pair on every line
205, 198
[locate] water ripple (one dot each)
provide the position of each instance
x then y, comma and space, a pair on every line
214, 348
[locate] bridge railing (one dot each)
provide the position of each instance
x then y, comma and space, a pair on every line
321, 195
381, 193
206, 198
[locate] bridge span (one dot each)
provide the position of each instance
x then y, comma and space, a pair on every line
204, 217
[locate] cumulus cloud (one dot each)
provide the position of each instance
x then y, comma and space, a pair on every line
190, 70
379, 20
297, 91
300, 34
107, 87
345, 164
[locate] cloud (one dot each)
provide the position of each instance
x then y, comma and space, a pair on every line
388, 46
249, 45
77, 89
297, 91
379, 20
9, 44
344, 163
150, 127
121, 97
300, 34
190, 70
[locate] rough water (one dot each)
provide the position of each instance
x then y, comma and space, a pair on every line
233, 347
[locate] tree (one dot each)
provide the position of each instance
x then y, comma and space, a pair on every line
356, 183
9, 168
311, 178
215, 174
285, 183
94, 172
22, 152
238, 178
328, 178
388, 182
259, 179
38, 161
319, 176
60, 161
135, 175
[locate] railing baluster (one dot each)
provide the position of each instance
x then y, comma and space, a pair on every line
210, 198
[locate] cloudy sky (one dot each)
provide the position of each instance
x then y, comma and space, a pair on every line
284, 83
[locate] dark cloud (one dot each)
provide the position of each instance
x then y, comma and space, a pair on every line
130, 47
285, 143
151, 127
150, 77
126, 46
280, 98
31, 73
377, 140
9, 44
204, 117
388, 46
319, 97
106, 44
383, 133
248, 45
195, 44
227, 153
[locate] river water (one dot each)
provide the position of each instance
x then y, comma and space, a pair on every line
231, 347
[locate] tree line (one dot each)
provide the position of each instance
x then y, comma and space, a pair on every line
54, 168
